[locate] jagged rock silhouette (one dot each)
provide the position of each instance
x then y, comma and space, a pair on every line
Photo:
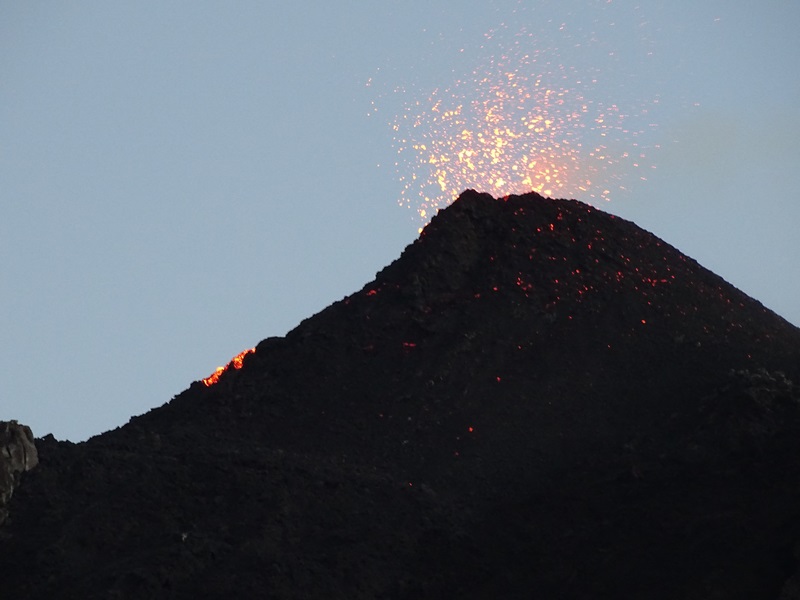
537, 399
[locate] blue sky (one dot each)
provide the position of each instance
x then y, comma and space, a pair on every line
181, 180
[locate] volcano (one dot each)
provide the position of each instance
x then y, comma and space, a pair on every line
537, 399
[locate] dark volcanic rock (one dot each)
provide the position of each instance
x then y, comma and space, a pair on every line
17, 455
535, 399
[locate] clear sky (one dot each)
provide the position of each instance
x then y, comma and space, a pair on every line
179, 180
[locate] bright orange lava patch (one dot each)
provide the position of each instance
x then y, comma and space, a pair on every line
236, 363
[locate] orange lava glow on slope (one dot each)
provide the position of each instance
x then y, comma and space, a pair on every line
236, 363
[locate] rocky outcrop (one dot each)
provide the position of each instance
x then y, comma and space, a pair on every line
17, 455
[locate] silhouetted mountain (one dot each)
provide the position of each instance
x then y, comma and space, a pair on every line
537, 399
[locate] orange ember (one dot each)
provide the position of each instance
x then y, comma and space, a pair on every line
236, 363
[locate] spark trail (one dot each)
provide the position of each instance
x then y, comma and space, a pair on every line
521, 120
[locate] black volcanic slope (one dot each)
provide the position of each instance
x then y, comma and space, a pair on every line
536, 400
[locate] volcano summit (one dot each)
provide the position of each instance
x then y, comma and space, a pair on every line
537, 399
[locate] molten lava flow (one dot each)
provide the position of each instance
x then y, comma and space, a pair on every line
236, 363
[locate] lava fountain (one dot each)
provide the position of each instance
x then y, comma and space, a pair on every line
519, 121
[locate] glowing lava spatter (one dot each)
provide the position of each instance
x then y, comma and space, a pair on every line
520, 121
236, 363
